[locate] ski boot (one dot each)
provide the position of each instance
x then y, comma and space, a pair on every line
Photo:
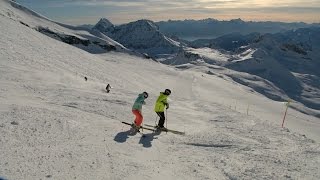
135, 127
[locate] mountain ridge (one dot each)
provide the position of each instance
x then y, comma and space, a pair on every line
212, 28
142, 35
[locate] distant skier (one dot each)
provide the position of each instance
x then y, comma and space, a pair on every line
137, 108
85, 78
108, 88
161, 103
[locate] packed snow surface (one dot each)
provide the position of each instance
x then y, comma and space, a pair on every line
54, 124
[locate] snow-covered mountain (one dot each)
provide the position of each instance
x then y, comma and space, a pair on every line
76, 36
212, 28
289, 61
293, 80
229, 42
142, 35
104, 25
56, 125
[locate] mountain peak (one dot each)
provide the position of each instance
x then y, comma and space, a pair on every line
145, 23
103, 24
105, 21
142, 35
237, 20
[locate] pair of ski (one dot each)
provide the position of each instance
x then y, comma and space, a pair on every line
154, 128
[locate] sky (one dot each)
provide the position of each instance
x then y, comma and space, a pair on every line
122, 11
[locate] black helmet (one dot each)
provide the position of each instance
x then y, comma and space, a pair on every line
145, 94
167, 91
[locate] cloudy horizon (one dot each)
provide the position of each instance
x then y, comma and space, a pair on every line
122, 11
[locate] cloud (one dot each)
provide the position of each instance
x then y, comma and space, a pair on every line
148, 3
189, 5
198, 6
121, 11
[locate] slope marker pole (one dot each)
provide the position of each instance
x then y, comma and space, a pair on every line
285, 114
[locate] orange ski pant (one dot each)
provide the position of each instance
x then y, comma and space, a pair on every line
139, 117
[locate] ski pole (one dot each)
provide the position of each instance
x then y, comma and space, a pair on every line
155, 122
166, 121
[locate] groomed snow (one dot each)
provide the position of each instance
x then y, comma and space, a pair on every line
54, 124
208, 53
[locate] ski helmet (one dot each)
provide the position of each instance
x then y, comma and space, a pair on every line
167, 91
145, 94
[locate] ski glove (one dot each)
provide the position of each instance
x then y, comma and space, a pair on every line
167, 106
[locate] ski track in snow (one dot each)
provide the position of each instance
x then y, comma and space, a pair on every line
53, 124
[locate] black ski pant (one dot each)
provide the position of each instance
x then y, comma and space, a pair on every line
162, 119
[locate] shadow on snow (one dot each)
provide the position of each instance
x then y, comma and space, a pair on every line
145, 140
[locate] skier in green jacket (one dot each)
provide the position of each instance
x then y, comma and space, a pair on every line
161, 103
